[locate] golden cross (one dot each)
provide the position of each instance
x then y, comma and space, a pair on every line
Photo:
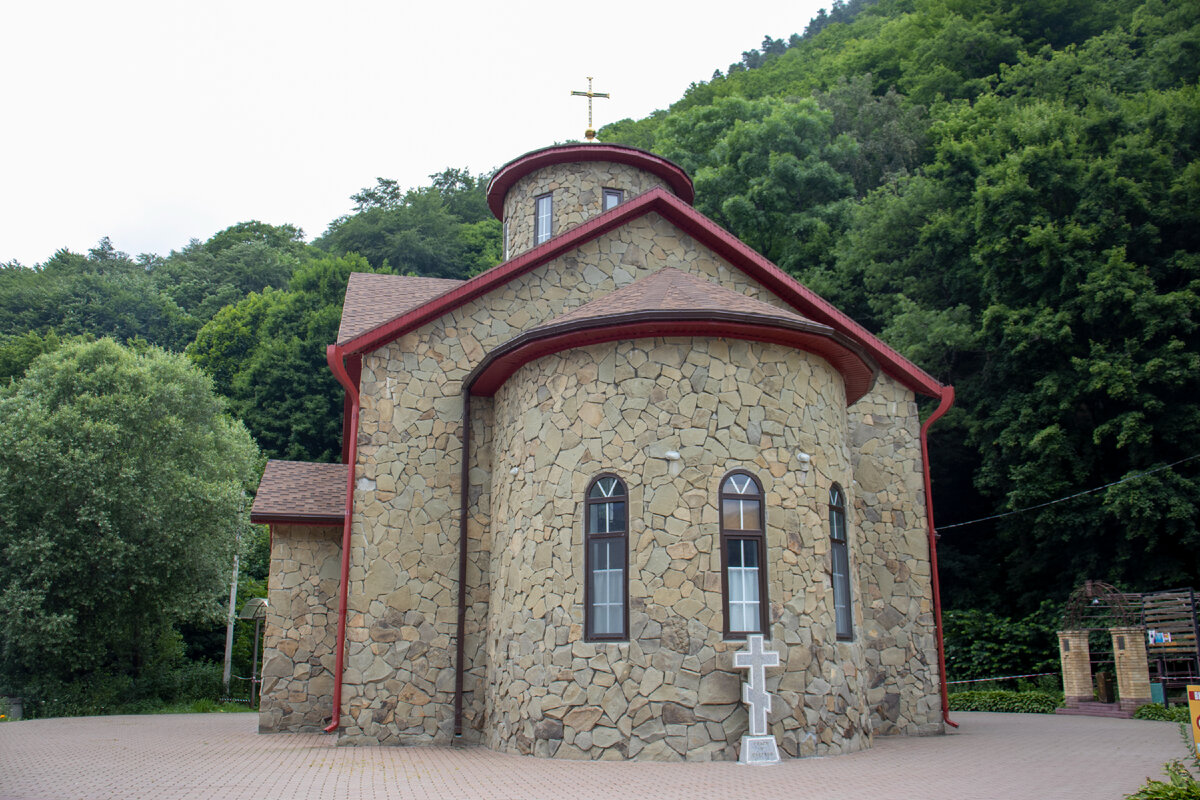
590, 133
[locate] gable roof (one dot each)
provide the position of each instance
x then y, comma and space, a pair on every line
671, 302
372, 299
300, 492
699, 227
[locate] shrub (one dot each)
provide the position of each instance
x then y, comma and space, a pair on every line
1180, 785
1006, 701
1161, 712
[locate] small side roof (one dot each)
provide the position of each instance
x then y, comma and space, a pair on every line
373, 299
301, 493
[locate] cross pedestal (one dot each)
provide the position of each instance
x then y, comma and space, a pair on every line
758, 747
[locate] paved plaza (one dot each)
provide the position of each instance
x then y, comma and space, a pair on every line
184, 757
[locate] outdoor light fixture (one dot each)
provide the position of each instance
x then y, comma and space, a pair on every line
672, 455
514, 471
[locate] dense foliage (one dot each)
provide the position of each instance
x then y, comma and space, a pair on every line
1001, 700
122, 492
983, 644
1157, 711
1007, 192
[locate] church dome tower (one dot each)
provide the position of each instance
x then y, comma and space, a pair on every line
548, 192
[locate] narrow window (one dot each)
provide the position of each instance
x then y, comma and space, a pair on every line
743, 550
541, 219
612, 197
506, 253
606, 614
841, 563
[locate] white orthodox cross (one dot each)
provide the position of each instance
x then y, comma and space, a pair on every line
754, 692
590, 133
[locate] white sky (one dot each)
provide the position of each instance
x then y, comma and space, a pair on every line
161, 121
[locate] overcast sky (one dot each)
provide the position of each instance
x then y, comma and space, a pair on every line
161, 121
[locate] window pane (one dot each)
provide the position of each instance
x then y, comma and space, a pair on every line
740, 515
607, 586
739, 484
542, 219
841, 588
612, 197
616, 517
743, 580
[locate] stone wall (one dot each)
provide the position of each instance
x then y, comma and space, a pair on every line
895, 588
670, 692
578, 194
301, 627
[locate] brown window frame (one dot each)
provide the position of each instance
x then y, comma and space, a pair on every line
758, 536
589, 536
607, 193
841, 594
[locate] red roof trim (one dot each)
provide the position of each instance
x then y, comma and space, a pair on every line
701, 228
521, 166
297, 519
855, 367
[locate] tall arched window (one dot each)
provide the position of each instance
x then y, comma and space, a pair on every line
841, 563
606, 612
743, 553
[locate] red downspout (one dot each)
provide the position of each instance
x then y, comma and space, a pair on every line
333, 356
947, 400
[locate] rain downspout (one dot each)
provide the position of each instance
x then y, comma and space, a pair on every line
947, 400
459, 666
334, 356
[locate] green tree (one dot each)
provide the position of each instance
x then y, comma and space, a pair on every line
122, 487
267, 355
443, 230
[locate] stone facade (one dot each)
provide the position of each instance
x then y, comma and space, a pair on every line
670, 692
532, 683
578, 194
895, 581
298, 641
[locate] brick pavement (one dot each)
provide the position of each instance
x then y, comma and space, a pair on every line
191, 756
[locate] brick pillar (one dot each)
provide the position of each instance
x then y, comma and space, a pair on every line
1076, 667
1133, 669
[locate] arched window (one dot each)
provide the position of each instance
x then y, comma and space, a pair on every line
606, 587
743, 553
841, 563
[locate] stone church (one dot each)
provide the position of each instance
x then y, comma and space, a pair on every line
572, 485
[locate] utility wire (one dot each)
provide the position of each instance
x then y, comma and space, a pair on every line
941, 528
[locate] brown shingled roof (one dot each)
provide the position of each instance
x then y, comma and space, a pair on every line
671, 289
372, 299
300, 492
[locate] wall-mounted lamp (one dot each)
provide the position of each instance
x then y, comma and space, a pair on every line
514, 471
803, 457
672, 455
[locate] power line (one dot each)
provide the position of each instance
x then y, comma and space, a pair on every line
1068, 497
